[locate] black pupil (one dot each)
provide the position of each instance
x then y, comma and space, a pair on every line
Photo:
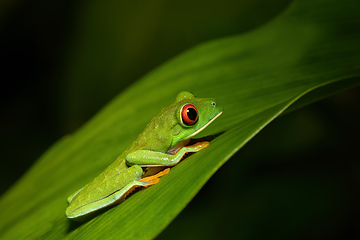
191, 113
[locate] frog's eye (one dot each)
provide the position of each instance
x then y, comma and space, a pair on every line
189, 114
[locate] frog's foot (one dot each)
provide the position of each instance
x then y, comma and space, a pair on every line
144, 182
154, 179
198, 146
189, 148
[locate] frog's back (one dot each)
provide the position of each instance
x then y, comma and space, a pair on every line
156, 137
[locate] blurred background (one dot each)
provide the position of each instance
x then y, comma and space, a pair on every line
62, 61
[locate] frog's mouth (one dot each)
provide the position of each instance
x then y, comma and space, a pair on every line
207, 124
190, 141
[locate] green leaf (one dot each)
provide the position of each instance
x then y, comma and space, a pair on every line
312, 49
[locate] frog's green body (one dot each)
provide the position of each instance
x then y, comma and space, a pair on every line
163, 135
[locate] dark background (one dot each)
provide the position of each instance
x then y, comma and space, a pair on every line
47, 49
308, 169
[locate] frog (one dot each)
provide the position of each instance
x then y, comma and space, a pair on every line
161, 145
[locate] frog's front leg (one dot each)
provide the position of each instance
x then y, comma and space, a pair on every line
148, 158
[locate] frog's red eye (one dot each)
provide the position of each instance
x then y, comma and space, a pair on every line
189, 114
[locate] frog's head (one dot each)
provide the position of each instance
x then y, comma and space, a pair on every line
193, 115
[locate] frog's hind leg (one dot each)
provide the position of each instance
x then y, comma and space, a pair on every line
144, 182
155, 178
71, 197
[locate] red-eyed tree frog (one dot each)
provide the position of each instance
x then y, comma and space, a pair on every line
161, 144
